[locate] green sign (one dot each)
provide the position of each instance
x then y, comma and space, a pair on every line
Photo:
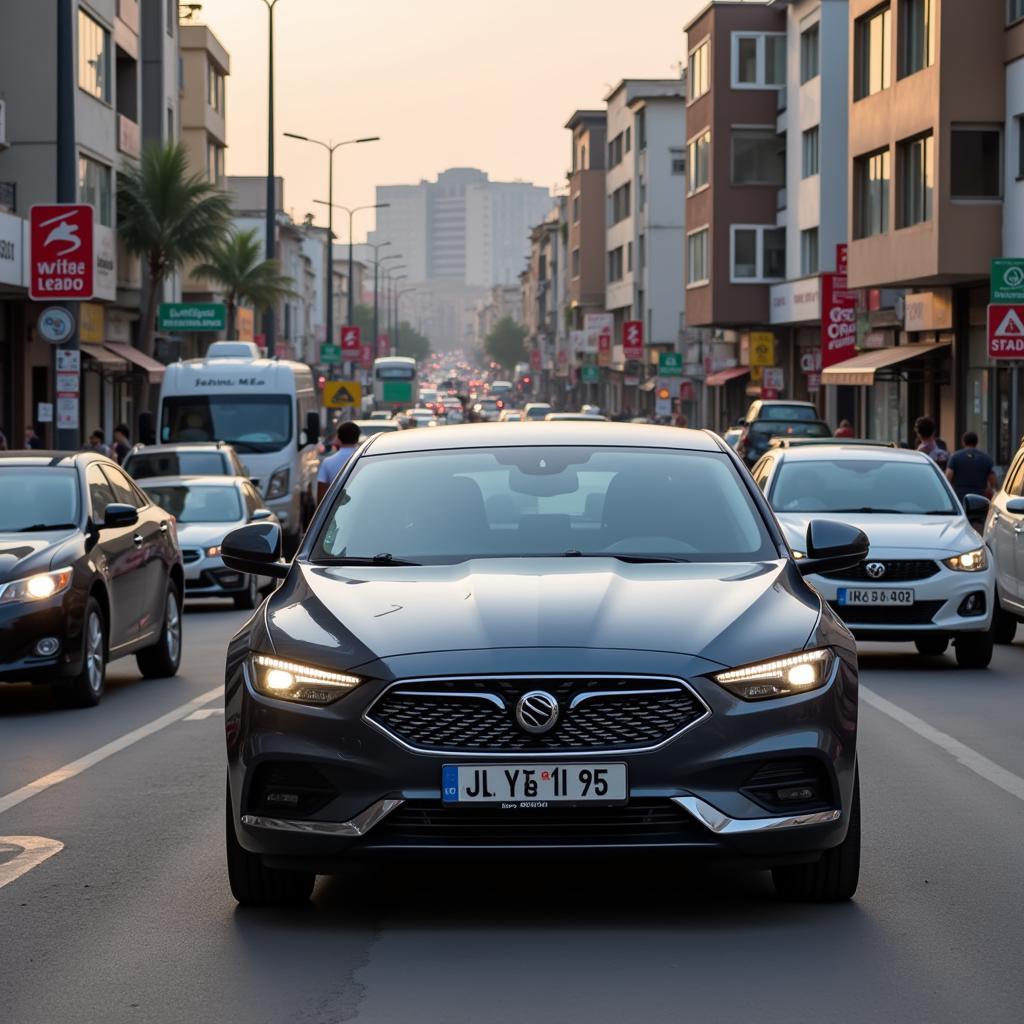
590, 374
193, 316
330, 353
670, 364
1008, 280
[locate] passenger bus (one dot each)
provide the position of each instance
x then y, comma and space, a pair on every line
394, 383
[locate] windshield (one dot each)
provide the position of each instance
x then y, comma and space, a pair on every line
398, 372
788, 412
538, 412
898, 486
198, 503
762, 429
175, 464
251, 423
37, 497
448, 506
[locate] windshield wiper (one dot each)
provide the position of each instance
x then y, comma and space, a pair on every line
40, 527
382, 559
632, 559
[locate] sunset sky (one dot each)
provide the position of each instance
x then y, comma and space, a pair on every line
444, 82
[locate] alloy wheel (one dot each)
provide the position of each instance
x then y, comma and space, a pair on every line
94, 652
173, 627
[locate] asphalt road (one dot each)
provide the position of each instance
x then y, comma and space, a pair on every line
131, 920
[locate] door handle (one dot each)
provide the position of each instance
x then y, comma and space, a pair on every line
137, 538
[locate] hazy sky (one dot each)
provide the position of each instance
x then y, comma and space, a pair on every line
483, 83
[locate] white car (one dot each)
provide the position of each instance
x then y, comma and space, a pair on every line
929, 576
1004, 534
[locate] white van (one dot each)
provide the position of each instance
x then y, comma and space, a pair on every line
266, 408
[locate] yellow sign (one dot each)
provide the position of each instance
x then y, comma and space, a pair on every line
756, 374
762, 348
244, 323
343, 394
91, 322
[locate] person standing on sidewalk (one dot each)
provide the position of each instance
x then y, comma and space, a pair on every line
971, 470
332, 465
925, 430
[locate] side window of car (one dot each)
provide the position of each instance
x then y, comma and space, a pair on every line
252, 499
1015, 478
101, 494
122, 488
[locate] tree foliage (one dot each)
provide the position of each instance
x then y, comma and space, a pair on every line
410, 341
506, 343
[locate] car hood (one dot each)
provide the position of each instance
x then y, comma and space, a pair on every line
24, 553
942, 534
726, 613
196, 535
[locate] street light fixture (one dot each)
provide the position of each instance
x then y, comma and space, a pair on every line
331, 147
269, 325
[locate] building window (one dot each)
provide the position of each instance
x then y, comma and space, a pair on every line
615, 264
698, 80
575, 209
94, 188
629, 140
758, 253
214, 87
641, 251
641, 130
575, 263
811, 161
758, 157
697, 266
615, 151
214, 161
620, 203
93, 57
758, 60
810, 52
170, 124
629, 257
976, 159
871, 194
699, 161
1014, 11
809, 263
915, 181
916, 36
871, 56
642, 194
678, 161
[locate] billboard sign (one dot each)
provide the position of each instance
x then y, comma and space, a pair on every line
633, 339
351, 342
838, 320
62, 261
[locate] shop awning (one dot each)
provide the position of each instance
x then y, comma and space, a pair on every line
140, 360
861, 370
720, 379
107, 360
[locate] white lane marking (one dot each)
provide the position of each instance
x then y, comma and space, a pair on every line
198, 716
968, 757
73, 768
33, 851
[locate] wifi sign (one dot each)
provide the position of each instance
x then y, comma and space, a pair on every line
633, 339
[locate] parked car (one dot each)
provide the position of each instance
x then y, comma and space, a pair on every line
90, 571
192, 459
516, 674
1004, 535
929, 576
206, 509
757, 436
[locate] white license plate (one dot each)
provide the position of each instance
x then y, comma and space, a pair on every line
533, 785
876, 596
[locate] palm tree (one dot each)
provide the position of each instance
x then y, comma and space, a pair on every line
168, 217
236, 265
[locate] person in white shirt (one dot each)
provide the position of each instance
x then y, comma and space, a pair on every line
332, 465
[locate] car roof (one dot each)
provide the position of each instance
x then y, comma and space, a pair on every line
165, 481
35, 457
534, 434
859, 452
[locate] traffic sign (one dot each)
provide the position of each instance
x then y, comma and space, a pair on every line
55, 324
193, 316
1006, 332
342, 394
774, 377
62, 262
633, 339
330, 353
670, 364
1008, 280
762, 348
590, 374
351, 344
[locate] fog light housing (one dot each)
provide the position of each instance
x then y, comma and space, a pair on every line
47, 646
973, 604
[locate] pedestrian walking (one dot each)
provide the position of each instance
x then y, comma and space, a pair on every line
924, 427
971, 470
844, 429
96, 443
348, 439
122, 445
32, 439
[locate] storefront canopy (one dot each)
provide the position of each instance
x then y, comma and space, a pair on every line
861, 370
139, 359
720, 379
106, 360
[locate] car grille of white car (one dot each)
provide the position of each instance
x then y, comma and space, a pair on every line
894, 571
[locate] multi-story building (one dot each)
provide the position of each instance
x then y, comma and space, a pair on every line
587, 214
545, 294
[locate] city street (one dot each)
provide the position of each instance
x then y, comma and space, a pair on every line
132, 919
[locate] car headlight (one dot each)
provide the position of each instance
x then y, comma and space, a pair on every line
780, 677
287, 680
277, 486
213, 552
36, 588
969, 561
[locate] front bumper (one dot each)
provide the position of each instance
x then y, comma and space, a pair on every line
24, 624
210, 577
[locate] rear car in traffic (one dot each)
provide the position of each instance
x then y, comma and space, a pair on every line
198, 459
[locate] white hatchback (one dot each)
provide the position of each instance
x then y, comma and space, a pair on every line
929, 577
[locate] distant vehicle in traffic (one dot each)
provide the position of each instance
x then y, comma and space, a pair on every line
568, 417
90, 571
732, 436
535, 410
503, 389
395, 384
367, 428
487, 410
421, 417
779, 409
192, 459
381, 414
510, 416
757, 436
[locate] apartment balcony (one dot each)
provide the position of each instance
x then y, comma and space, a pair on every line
129, 136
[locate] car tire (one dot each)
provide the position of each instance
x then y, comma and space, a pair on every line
833, 877
974, 650
932, 645
249, 597
1004, 625
86, 689
253, 884
161, 661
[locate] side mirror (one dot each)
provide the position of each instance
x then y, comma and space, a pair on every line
1015, 506
832, 546
260, 514
117, 515
255, 549
976, 507
312, 427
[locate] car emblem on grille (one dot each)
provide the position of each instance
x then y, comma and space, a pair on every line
876, 570
537, 712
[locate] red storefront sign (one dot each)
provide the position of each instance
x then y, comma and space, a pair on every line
366, 357
838, 320
633, 339
61, 255
1006, 332
351, 344
686, 391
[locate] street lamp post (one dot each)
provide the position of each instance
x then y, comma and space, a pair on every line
331, 147
269, 325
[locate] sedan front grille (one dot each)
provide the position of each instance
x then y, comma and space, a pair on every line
478, 715
896, 571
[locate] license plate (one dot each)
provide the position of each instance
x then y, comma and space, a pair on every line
533, 785
850, 595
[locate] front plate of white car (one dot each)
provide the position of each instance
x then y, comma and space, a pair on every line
874, 596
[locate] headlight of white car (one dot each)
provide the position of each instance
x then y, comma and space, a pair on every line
36, 588
303, 684
779, 677
969, 561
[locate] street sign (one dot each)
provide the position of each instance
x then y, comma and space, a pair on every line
62, 262
366, 356
762, 348
55, 324
69, 360
662, 399
342, 394
670, 364
330, 353
774, 378
1006, 332
67, 412
1008, 280
590, 374
351, 345
44, 412
633, 339
193, 316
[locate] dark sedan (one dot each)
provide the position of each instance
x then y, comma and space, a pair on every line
90, 571
583, 638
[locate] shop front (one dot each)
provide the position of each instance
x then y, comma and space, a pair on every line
796, 319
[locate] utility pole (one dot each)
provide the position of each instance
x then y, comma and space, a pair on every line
269, 316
